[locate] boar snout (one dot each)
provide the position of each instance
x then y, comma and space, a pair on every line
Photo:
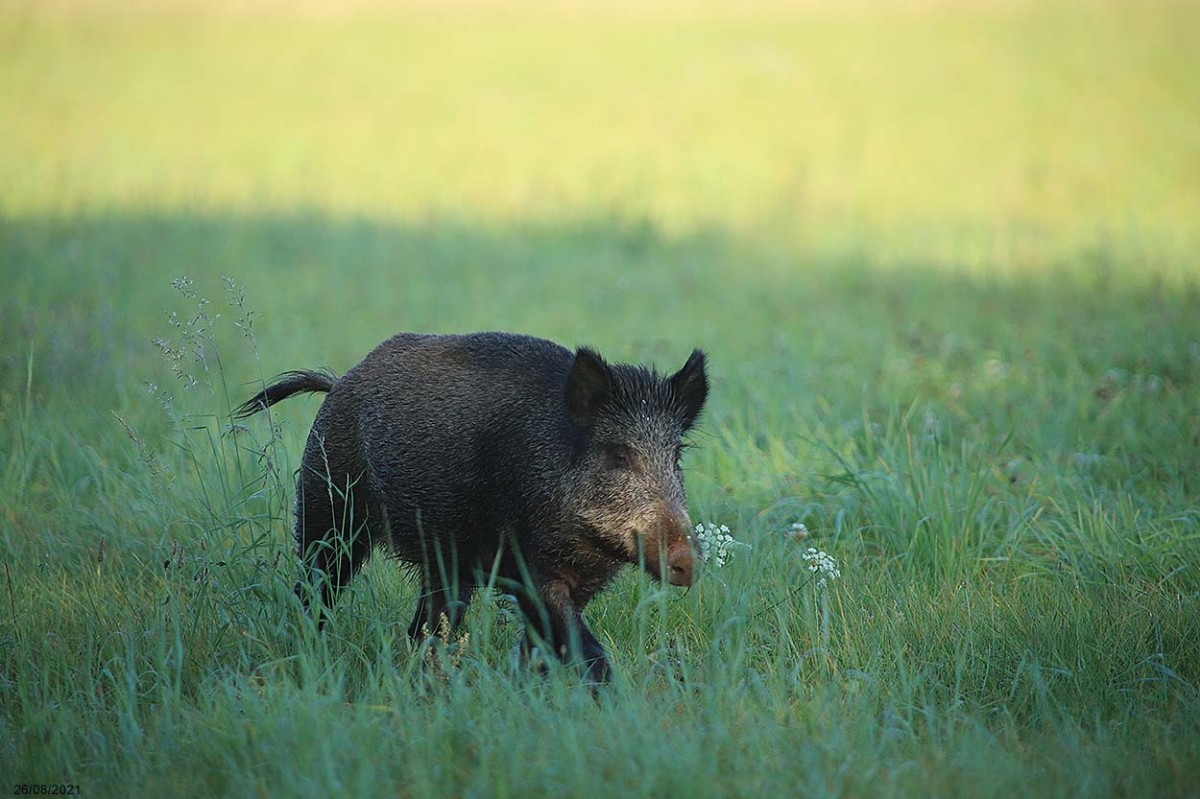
679, 564
668, 553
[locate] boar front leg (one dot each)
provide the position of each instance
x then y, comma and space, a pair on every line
557, 619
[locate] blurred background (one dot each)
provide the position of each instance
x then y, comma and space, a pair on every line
801, 116
880, 116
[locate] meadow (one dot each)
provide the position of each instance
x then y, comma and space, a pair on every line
942, 255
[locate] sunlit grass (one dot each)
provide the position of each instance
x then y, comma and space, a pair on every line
996, 123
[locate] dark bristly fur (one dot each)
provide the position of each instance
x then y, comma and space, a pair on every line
461, 453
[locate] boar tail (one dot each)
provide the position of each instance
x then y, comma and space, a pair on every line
287, 384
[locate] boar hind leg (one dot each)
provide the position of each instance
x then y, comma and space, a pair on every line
334, 522
557, 620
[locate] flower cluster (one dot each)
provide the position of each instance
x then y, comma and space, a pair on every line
797, 531
715, 543
821, 563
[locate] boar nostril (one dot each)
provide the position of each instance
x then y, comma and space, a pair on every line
681, 575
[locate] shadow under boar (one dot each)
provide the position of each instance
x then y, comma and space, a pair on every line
468, 455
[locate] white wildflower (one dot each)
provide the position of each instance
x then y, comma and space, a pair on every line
797, 531
822, 564
715, 543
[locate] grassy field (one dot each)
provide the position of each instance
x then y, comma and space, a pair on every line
942, 256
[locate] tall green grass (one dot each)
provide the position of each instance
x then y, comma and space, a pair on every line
941, 258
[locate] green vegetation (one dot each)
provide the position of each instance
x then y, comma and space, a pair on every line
943, 258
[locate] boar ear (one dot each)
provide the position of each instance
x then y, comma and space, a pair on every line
690, 385
588, 385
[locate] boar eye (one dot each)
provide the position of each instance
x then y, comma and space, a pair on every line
620, 457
